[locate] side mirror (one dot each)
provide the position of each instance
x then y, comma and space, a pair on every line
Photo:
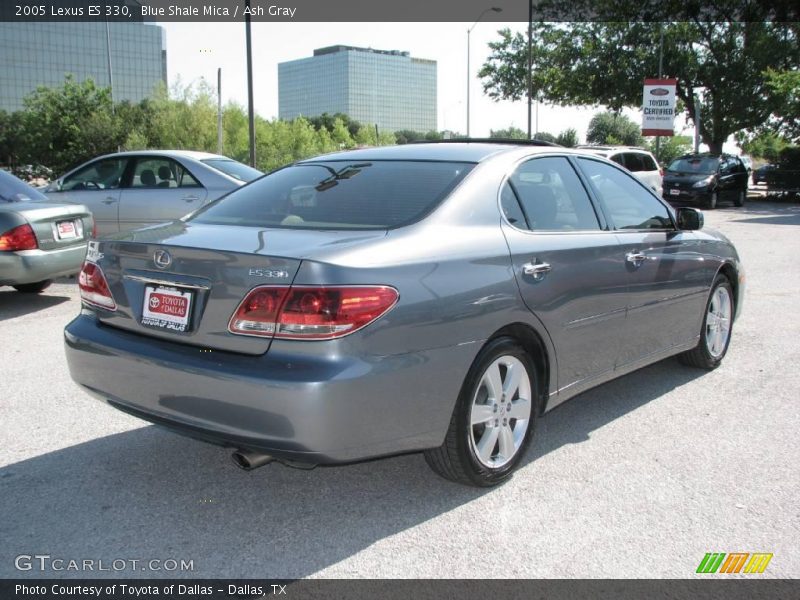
689, 219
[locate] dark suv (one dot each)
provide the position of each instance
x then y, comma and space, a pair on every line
706, 179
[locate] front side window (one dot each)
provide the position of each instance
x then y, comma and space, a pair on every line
628, 203
551, 196
161, 173
339, 195
100, 175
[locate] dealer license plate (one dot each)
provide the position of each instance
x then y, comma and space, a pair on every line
166, 308
66, 230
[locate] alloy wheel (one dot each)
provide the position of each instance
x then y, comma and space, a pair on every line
718, 322
500, 412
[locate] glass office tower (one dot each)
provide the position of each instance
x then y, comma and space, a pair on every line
384, 87
36, 54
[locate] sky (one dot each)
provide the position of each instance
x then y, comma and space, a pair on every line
196, 50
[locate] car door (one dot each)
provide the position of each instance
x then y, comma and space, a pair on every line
728, 182
96, 185
570, 271
160, 189
668, 279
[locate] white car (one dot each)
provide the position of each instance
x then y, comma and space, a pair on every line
640, 162
128, 190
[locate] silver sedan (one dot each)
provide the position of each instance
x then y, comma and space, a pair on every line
128, 190
39, 240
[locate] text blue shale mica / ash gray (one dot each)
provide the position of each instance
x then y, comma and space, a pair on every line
435, 297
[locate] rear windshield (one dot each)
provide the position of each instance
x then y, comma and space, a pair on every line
233, 169
701, 164
339, 195
16, 190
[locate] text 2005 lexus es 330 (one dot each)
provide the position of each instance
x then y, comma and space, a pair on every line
435, 297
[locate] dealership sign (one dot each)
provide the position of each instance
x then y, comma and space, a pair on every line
658, 106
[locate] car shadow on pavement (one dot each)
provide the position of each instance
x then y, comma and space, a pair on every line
149, 494
573, 421
14, 304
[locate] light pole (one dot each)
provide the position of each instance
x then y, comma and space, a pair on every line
496, 9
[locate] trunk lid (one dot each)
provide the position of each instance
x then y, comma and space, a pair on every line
57, 225
211, 268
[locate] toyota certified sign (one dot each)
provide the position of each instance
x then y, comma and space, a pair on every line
658, 106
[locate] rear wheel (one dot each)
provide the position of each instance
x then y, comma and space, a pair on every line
33, 288
493, 422
716, 333
740, 198
711, 201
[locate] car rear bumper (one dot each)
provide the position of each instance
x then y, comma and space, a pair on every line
30, 266
313, 409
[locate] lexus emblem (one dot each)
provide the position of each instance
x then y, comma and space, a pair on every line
162, 259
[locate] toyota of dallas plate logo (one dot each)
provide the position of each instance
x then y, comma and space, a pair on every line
162, 259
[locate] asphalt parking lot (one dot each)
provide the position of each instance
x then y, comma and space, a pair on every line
638, 478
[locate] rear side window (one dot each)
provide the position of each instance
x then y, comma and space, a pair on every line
630, 205
551, 197
634, 163
648, 162
161, 173
339, 195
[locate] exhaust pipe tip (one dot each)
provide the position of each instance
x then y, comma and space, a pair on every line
247, 461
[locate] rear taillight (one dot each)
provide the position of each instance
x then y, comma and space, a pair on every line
94, 287
310, 312
19, 238
94, 229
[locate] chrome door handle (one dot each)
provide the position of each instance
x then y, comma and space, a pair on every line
109, 200
537, 271
190, 198
637, 258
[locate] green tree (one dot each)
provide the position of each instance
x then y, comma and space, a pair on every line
604, 63
545, 136
67, 125
767, 145
12, 138
512, 133
612, 128
670, 148
785, 86
568, 138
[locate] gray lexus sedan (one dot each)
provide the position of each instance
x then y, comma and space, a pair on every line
427, 297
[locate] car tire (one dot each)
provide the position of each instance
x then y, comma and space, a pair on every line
485, 440
715, 336
33, 288
711, 201
740, 198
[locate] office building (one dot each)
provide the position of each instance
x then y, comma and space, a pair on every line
43, 53
388, 88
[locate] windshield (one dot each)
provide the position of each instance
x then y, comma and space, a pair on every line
700, 164
233, 168
16, 190
339, 195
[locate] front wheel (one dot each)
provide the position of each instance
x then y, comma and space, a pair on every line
493, 421
33, 288
711, 201
716, 333
740, 198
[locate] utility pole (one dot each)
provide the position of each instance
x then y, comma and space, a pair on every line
530, 65
696, 122
219, 110
660, 76
251, 114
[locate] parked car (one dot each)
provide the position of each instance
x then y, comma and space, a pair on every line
707, 179
39, 240
134, 189
760, 174
436, 297
638, 161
